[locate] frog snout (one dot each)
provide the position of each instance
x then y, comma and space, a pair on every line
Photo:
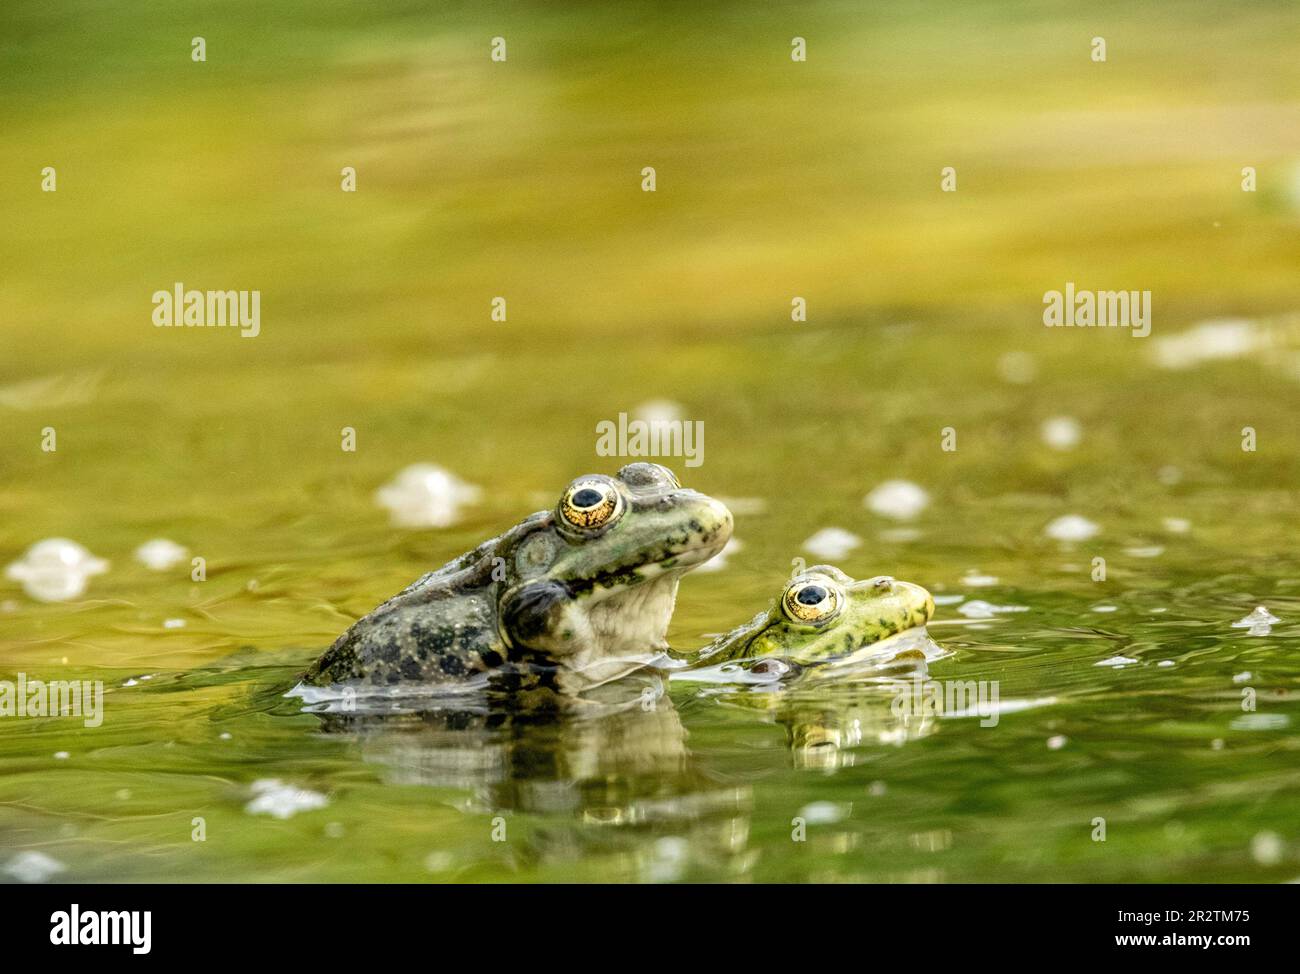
710, 520
722, 517
920, 601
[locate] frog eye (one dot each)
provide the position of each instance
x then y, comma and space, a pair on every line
811, 601
591, 504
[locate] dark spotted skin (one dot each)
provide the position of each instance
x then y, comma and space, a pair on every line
403, 640
511, 606
443, 628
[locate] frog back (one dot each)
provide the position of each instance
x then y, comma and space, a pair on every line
441, 628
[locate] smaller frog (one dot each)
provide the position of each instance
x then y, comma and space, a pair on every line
822, 615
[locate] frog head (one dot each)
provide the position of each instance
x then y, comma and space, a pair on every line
597, 576
824, 614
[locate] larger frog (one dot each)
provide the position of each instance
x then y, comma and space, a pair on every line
585, 588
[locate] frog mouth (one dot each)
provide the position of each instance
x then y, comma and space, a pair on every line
671, 562
702, 528
687, 558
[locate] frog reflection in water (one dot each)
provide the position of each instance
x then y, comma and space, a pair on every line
824, 660
828, 723
569, 597
606, 772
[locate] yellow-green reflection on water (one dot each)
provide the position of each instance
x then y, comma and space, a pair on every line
775, 179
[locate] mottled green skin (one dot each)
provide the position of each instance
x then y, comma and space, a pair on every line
541, 597
870, 611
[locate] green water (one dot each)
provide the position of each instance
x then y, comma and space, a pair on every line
523, 179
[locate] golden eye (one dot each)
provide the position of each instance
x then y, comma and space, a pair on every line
590, 504
811, 601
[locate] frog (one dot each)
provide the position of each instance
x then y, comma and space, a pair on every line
585, 589
822, 615
824, 660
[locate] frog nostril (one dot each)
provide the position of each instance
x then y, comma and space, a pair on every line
883, 582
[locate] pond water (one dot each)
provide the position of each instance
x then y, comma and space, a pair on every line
1123, 699
1095, 517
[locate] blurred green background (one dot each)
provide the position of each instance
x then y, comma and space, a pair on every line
775, 179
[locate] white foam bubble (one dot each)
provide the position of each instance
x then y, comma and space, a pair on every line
1267, 848
1115, 662
659, 411
55, 569
275, 798
1071, 527
426, 496
898, 499
1061, 432
978, 609
160, 554
1260, 622
824, 813
832, 543
33, 867
1216, 340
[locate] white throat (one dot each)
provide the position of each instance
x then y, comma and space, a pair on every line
625, 630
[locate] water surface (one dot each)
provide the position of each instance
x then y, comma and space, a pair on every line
924, 315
